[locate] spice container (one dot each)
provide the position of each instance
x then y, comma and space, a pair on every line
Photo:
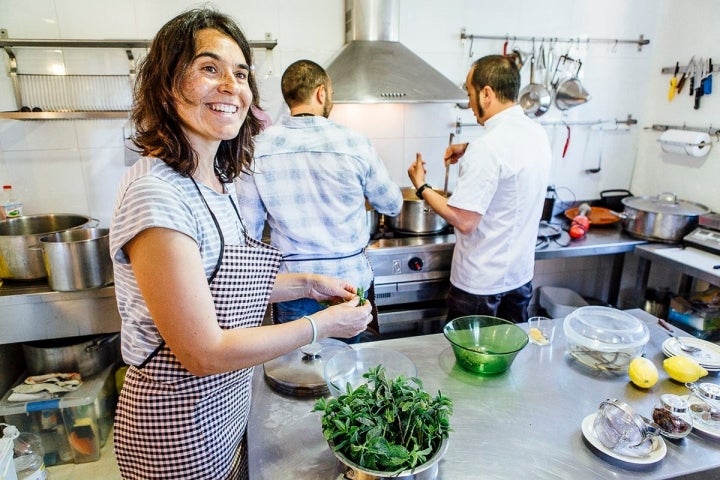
708, 409
672, 415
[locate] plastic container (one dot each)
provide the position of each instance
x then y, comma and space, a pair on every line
605, 338
10, 207
28, 453
7, 466
559, 302
73, 427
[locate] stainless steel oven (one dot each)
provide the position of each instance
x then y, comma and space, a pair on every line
412, 279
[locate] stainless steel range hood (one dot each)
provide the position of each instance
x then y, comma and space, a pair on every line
373, 67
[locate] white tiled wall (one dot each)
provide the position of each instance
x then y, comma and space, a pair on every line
74, 166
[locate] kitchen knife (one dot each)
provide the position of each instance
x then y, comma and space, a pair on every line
681, 82
673, 82
707, 86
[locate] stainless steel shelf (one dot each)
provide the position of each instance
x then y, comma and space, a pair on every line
8, 44
31, 311
64, 115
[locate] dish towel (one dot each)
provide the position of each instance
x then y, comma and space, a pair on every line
43, 387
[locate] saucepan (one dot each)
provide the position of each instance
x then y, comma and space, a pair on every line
534, 99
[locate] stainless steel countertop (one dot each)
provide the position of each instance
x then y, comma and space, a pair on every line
525, 422
604, 240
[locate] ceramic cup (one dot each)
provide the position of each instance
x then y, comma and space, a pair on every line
541, 330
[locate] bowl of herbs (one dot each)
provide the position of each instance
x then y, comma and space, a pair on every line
387, 427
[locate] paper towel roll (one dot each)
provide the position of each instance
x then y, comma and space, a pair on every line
686, 142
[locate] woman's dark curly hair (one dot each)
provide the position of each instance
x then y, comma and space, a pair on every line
157, 85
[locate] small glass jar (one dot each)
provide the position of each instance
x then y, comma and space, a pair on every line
708, 408
672, 415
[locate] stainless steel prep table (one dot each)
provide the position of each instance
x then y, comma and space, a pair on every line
524, 422
689, 262
607, 240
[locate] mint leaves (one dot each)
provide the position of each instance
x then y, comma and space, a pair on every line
389, 425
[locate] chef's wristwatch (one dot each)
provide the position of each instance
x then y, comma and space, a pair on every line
421, 189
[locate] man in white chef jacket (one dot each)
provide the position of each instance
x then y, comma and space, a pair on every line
496, 205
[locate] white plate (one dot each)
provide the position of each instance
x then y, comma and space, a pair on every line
708, 356
698, 423
656, 454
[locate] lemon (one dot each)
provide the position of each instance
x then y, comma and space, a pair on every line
538, 337
642, 372
683, 369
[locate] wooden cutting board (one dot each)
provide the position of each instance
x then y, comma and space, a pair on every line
597, 216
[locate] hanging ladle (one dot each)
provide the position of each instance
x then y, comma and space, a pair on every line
600, 145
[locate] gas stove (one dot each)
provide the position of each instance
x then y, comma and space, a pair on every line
412, 279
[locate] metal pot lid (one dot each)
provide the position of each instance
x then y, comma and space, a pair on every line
665, 203
301, 373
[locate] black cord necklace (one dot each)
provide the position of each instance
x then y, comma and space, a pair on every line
304, 115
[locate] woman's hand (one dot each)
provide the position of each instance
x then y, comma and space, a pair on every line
331, 290
344, 320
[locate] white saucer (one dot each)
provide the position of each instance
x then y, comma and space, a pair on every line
657, 452
708, 356
698, 423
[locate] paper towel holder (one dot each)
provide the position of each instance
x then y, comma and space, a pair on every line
709, 130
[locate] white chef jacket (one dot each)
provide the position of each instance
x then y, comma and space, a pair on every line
503, 176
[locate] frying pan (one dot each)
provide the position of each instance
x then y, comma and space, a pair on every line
598, 216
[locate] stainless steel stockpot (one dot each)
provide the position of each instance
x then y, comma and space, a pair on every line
416, 216
21, 255
78, 259
661, 218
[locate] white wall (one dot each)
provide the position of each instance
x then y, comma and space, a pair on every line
73, 166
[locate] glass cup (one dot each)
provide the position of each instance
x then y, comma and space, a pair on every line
541, 330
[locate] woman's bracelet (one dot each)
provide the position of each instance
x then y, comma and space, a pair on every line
314, 327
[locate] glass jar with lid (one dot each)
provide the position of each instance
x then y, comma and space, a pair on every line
707, 409
672, 414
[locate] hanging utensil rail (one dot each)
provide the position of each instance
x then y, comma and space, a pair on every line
640, 41
628, 121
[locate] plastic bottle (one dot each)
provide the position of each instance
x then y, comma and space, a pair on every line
28, 454
11, 206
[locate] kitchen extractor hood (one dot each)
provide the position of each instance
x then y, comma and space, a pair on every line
373, 67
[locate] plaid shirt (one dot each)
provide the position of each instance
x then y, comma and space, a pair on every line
310, 181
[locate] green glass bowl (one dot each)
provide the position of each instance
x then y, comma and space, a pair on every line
483, 344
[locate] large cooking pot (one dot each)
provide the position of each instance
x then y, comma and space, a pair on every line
661, 218
373, 218
86, 355
416, 216
21, 255
77, 259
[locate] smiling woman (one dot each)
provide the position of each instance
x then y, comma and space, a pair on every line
216, 94
192, 287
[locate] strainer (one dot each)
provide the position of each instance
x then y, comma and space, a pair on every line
620, 428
